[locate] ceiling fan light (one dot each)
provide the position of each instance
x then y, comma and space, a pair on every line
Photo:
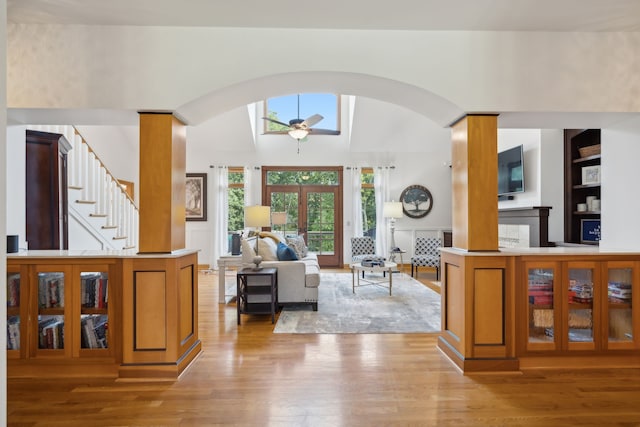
298, 133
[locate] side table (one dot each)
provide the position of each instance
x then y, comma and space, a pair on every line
257, 292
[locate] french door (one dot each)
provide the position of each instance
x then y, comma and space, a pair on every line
313, 211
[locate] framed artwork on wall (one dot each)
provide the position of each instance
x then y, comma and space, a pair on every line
196, 197
416, 201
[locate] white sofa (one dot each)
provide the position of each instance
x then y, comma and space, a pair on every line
298, 280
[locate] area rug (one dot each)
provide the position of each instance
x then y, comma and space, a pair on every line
413, 308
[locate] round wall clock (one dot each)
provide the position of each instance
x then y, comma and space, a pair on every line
416, 201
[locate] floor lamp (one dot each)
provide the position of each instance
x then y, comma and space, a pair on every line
258, 217
392, 210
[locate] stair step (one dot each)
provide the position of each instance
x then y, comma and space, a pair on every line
107, 227
119, 237
128, 247
74, 187
95, 215
86, 202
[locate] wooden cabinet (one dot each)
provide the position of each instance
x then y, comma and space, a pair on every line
60, 313
101, 314
582, 184
580, 306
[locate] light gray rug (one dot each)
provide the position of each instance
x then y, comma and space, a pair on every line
413, 308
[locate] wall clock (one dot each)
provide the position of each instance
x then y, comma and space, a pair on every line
416, 201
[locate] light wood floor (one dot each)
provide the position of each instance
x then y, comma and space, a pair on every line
248, 376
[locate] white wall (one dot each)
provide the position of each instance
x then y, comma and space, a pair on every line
133, 68
620, 176
16, 200
119, 149
544, 173
3, 214
552, 180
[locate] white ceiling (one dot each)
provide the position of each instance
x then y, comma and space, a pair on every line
489, 15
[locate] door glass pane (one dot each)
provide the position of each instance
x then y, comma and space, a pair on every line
51, 310
540, 293
13, 311
320, 223
286, 202
619, 297
580, 305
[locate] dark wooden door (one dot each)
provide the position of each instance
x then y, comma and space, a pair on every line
46, 191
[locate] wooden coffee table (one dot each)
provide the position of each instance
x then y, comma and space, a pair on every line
386, 280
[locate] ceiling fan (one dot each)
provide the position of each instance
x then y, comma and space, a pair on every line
298, 128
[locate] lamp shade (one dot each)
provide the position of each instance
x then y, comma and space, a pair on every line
278, 218
392, 210
257, 216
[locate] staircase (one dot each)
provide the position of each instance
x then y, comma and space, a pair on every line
101, 213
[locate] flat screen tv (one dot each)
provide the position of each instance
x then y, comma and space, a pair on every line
511, 171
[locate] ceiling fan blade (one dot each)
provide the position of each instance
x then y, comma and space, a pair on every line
275, 121
310, 121
324, 131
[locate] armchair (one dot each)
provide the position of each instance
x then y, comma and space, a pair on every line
426, 254
363, 247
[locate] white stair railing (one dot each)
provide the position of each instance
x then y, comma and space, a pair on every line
98, 187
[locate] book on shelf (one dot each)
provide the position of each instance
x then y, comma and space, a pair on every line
13, 333
51, 333
94, 331
13, 290
51, 290
93, 290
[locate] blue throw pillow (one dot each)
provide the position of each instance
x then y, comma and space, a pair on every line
285, 253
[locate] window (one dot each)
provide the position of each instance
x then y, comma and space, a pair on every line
368, 203
236, 199
285, 108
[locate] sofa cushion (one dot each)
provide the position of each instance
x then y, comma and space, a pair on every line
285, 253
247, 251
267, 249
298, 244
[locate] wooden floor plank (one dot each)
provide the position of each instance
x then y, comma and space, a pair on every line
246, 375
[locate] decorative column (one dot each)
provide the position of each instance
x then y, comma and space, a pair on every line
162, 183
475, 183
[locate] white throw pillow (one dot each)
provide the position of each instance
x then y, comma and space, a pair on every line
247, 251
268, 249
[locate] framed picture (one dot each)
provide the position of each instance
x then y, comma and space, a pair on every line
416, 201
591, 175
196, 197
590, 231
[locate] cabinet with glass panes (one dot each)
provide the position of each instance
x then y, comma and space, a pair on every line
618, 318
581, 306
541, 305
58, 311
17, 303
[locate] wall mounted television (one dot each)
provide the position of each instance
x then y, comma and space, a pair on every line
511, 171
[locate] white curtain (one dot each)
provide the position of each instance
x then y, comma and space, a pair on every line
221, 213
356, 191
381, 187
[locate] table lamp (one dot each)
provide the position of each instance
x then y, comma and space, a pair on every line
392, 210
258, 217
280, 218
